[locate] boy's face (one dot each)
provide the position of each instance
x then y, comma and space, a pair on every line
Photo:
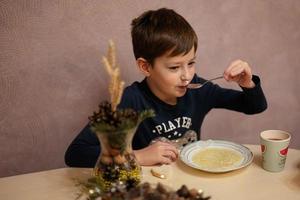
169, 76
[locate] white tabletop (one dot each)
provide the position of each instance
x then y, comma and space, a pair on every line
251, 182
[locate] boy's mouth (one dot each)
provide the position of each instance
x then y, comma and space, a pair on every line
182, 87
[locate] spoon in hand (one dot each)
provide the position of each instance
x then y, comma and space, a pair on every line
199, 85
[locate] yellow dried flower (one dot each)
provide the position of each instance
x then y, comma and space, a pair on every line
116, 85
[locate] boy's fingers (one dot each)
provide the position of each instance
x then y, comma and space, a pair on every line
171, 155
166, 147
233, 64
166, 160
173, 149
237, 70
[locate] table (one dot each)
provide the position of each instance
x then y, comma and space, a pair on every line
251, 182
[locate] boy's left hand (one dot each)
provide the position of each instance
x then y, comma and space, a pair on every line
239, 72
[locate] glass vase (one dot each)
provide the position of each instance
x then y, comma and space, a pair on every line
117, 164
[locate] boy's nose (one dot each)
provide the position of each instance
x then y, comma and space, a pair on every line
183, 77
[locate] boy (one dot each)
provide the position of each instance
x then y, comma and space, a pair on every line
164, 46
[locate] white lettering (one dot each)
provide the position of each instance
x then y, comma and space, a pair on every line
189, 123
186, 122
165, 128
158, 128
178, 122
172, 127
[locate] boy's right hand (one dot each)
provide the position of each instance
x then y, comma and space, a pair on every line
157, 153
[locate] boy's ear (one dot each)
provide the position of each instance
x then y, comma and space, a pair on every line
143, 66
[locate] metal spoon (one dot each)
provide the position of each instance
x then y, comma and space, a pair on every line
199, 85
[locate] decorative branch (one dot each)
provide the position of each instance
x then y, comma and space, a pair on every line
116, 85
108, 119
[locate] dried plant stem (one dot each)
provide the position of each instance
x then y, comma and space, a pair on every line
107, 66
111, 54
116, 85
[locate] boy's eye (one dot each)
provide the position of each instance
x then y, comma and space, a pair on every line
192, 63
174, 67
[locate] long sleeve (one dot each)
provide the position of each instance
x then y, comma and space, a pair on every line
248, 101
84, 149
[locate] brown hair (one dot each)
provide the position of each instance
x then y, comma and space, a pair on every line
157, 32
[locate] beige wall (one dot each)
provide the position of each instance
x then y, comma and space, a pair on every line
51, 77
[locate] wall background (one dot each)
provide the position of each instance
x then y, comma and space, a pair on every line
51, 76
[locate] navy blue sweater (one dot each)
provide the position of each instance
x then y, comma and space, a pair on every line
171, 121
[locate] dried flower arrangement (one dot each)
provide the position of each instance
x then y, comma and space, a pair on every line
115, 129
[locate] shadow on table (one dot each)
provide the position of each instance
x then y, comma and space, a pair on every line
78, 174
291, 180
257, 160
295, 180
196, 172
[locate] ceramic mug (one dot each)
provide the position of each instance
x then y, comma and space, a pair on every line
274, 147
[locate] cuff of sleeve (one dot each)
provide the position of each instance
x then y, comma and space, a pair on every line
256, 88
